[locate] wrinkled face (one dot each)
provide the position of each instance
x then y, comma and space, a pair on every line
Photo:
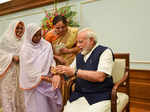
60, 28
20, 29
37, 37
83, 42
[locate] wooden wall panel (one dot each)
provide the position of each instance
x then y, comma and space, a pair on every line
18, 5
139, 85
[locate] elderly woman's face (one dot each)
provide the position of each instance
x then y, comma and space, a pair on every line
19, 31
60, 28
37, 37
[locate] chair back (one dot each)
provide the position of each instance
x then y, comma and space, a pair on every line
120, 74
121, 65
118, 69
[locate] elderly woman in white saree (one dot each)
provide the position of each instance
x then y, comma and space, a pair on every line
10, 44
36, 58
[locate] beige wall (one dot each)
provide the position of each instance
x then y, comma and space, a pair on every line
121, 24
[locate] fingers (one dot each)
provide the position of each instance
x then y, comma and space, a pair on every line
64, 50
56, 82
53, 85
60, 69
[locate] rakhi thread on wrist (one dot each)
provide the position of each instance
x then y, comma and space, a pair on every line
46, 78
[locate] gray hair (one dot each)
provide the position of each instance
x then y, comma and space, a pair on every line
89, 33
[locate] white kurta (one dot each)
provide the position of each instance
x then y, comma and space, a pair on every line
81, 105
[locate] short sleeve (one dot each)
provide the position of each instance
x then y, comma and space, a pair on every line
106, 62
73, 65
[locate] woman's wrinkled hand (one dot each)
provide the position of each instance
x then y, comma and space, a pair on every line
64, 50
56, 81
60, 59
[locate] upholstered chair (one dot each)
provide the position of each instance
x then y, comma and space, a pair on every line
120, 93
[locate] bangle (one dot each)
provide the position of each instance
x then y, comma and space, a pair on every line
76, 72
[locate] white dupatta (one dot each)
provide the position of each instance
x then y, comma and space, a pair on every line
35, 59
9, 46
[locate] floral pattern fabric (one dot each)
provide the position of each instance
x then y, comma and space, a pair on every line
12, 97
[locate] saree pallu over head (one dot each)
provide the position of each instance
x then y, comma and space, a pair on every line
9, 46
35, 59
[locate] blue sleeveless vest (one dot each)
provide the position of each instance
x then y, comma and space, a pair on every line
92, 91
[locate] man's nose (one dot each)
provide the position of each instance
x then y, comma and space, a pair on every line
77, 44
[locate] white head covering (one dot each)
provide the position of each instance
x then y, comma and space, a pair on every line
9, 46
35, 59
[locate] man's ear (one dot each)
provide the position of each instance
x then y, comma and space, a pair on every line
92, 40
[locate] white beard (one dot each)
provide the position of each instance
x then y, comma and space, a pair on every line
85, 52
87, 49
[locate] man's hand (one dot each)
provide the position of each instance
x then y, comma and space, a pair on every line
56, 81
61, 69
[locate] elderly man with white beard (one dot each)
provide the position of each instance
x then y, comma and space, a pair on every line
92, 68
